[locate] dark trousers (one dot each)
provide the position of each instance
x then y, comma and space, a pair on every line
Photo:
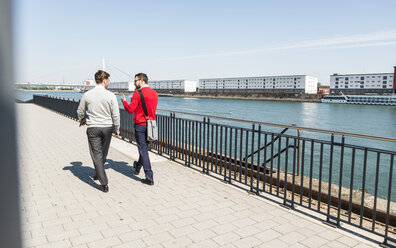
144, 160
99, 142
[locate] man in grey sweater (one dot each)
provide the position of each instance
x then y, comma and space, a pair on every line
100, 107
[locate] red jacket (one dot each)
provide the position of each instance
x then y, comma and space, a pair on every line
151, 99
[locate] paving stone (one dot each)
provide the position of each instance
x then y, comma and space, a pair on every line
205, 224
87, 238
58, 236
93, 228
108, 242
224, 228
226, 238
158, 238
336, 244
115, 231
292, 238
35, 241
347, 241
247, 242
182, 231
314, 241
201, 235
178, 242
135, 244
183, 222
57, 244
268, 235
330, 235
274, 243
133, 235
204, 244
285, 228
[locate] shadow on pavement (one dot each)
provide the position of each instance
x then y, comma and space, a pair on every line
83, 173
123, 168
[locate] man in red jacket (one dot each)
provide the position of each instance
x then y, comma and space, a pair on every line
151, 99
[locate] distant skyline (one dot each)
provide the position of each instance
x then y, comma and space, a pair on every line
58, 41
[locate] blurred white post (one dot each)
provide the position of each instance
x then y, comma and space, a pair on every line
104, 65
10, 232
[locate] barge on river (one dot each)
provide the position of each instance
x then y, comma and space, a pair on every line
361, 99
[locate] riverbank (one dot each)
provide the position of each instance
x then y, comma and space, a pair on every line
274, 96
49, 90
258, 98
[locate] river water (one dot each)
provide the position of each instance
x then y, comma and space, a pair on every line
361, 119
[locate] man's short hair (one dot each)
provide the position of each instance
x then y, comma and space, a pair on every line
100, 76
142, 76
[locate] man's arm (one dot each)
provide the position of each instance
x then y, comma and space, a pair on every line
115, 113
81, 108
130, 108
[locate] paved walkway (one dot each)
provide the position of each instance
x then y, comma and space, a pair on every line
61, 207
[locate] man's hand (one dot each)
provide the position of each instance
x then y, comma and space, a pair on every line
117, 133
123, 98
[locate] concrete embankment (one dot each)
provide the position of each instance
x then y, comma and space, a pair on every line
285, 97
251, 96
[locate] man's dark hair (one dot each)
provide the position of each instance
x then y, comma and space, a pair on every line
142, 76
100, 76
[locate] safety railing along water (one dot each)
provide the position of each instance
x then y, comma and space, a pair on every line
347, 182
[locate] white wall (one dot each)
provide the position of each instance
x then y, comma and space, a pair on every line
311, 85
190, 86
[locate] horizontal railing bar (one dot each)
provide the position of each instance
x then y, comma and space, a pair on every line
287, 126
325, 142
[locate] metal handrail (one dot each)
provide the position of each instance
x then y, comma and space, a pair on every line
287, 126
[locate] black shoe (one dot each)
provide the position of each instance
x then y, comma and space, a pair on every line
146, 181
95, 178
136, 172
103, 188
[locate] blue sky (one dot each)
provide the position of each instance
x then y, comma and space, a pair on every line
66, 40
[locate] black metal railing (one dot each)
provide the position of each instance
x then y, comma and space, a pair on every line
348, 182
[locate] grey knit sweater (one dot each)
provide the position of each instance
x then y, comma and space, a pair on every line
101, 108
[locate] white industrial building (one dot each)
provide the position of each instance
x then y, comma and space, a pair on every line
121, 86
363, 83
173, 85
290, 84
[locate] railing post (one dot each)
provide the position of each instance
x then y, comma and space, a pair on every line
340, 181
207, 148
171, 155
203, 146
385, 243
298, 152
252, 160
